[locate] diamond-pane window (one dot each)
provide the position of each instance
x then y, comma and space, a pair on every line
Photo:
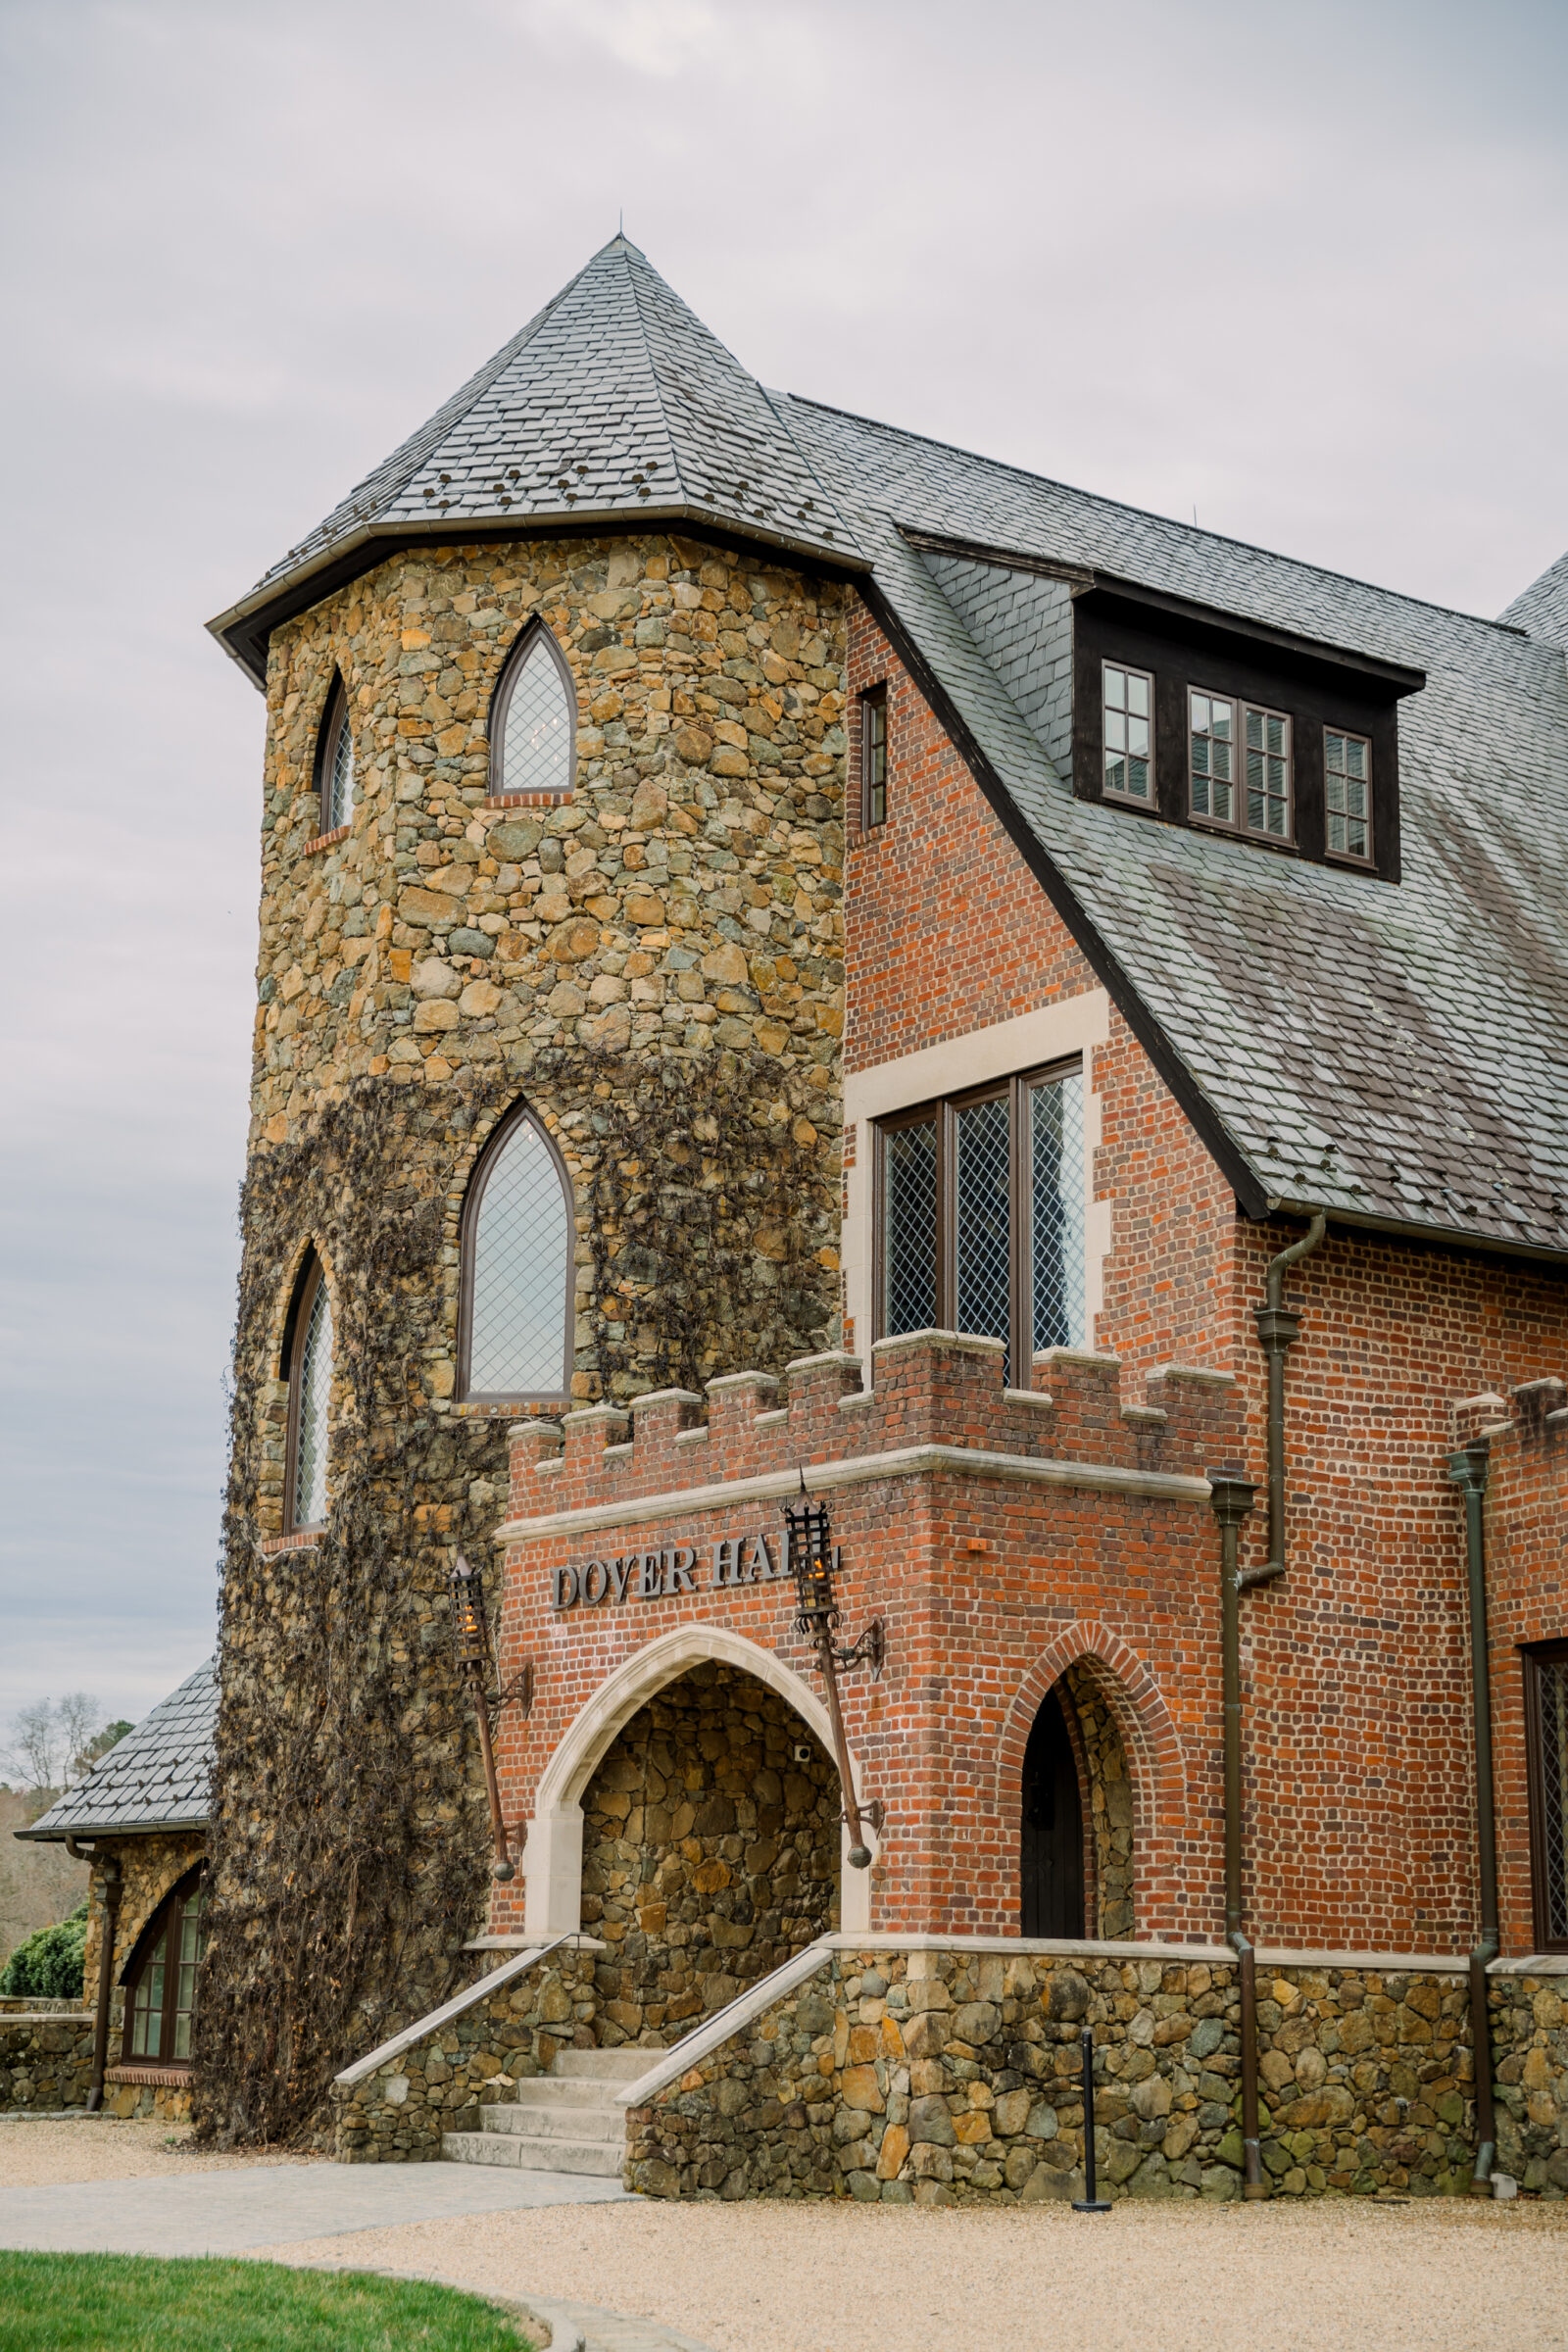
984, 1221
531, 729
982, 1212
1056, 1191
910, 1229
521, 1270
1546, 1730
315, 1394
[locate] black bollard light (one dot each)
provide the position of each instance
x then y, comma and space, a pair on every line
1089, 2202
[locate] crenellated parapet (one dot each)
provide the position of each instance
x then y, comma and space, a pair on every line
935, 1393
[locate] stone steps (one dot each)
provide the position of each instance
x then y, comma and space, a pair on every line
562, 2121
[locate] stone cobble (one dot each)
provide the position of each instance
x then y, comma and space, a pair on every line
45, 2060
398, 2113
710, 1851
1530, 2052
936, 2078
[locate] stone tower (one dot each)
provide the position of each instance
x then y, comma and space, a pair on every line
636, 938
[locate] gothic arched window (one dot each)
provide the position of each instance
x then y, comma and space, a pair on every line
516, 1328
308, 1353
533, 719
162, 1976
335, 761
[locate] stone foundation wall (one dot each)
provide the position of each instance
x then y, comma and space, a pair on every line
942, 2077
1530, 2055
398, 2113
45, 2059
711, 1852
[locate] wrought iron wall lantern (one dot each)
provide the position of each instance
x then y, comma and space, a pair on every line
814, 1560
472, 1645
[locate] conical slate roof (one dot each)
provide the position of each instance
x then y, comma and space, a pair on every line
614, 404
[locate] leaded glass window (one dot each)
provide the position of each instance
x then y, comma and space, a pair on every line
1546, 1742
518, 1269
161, 2007
980, 1217
1211, 750
874, 757
1129, 708
336, 761
532, 720
1347, 777
309, 1401
910, 1225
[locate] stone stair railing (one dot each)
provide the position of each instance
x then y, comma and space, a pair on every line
396, 2104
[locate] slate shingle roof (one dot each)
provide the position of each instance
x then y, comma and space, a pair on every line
613, 404
155, 1779
1395, 1053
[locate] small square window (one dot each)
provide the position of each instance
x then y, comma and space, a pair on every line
1128, 703
1347, 766
874, 757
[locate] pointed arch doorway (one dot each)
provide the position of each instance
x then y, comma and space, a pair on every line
1051, 1848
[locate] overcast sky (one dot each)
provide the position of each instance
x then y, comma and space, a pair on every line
1299, 268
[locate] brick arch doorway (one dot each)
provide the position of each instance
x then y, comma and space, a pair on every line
553, 1858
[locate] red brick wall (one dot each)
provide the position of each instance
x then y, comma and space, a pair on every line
983, 1583
1527, 1599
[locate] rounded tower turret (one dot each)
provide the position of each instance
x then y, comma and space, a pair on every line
545, 1093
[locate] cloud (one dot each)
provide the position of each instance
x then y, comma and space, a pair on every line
1297, 266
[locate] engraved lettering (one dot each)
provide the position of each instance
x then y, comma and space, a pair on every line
725, 1556
682, 1561
622, 1571
650, 1575
594, 1583
567, 1588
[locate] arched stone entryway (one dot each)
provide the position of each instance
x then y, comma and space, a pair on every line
710, 1850
553, 1858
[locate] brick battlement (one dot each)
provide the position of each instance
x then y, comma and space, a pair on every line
933, 1389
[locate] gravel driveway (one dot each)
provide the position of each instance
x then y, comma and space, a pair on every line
1426, 2276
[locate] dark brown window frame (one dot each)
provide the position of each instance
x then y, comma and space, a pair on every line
495, 1144
874, 703
334, 719
1128, 800
947, 1108
1352, 858
1534, 1657
1243, 703
517, 654
169, 1912
311, 1276
1319, 688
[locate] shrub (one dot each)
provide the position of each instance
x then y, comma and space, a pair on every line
49, 1965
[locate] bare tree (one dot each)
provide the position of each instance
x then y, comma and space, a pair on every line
79, 1716
34, 1754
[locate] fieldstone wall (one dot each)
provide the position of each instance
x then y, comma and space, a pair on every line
45, 2059
655, 964
1529, 2051
398, 2113
711, 1852
1109, 1815
940, 2077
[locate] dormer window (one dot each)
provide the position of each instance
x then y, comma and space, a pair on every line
1262, 805
1128, 712
1347, 776
534, 721
335, 760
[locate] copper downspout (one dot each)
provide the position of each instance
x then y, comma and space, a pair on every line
1468, 1470
1232, 1500
113, 1885
1277, 1328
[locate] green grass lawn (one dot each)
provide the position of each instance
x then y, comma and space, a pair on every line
130, 2303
